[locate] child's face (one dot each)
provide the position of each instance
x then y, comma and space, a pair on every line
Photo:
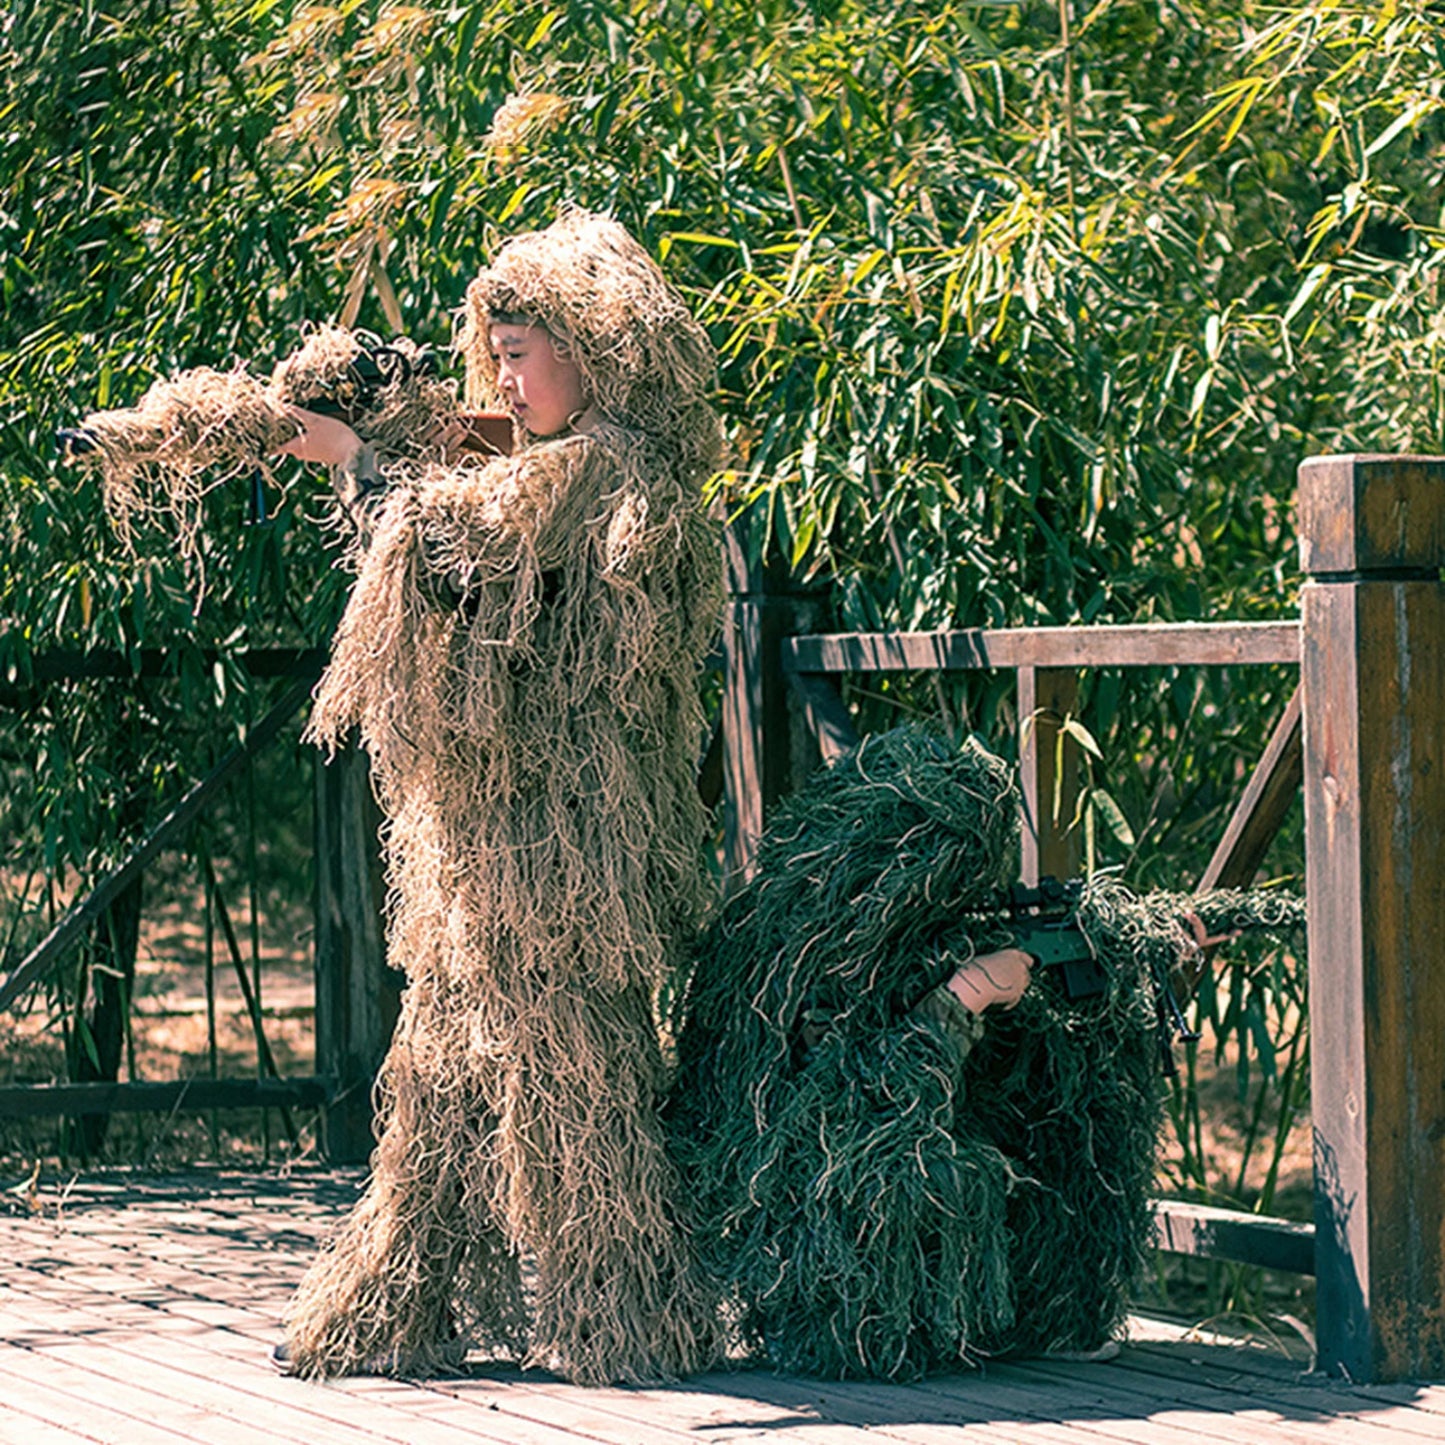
544, 390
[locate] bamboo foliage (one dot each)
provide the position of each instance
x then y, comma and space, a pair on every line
1027, 312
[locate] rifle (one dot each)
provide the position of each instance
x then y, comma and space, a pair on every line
1042, 921
390, 393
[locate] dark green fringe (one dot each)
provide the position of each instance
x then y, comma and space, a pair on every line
875, 1196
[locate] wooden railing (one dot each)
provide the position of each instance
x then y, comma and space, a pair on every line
1370, 644
1365, 734
355, 998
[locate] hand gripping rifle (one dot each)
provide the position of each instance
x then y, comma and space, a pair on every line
1043, 923
231, 423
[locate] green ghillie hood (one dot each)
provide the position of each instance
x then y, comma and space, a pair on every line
883, 1186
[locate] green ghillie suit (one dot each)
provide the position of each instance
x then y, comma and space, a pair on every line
881, 1182
521, 654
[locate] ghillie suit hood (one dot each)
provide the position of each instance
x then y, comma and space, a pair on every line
646, 363
520, 654
882, 1183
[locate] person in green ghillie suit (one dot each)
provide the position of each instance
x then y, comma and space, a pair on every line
883, 1179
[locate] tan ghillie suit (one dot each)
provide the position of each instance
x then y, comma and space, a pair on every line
520, 653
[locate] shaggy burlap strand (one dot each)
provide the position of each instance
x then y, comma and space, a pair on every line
521, 653
883, 1187
199, 430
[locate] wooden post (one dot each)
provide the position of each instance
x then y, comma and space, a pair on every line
356, 994
1046, 695
757, 729
1372, 541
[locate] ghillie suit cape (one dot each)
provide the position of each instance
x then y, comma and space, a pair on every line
521, 653
881, 1182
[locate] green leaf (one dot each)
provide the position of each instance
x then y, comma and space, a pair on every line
1113, 816
1073, 728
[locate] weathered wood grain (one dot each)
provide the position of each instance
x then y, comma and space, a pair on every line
1268, 796
1373, 677
1141, 645
1048, 774
138, 1311
357, 997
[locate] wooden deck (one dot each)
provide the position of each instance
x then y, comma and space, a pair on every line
139, 1310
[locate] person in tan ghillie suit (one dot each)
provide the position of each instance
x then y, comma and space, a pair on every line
520, 654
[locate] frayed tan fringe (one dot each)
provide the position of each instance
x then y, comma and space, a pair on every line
520, 654
199, 430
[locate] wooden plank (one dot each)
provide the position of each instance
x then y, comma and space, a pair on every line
1224, 1411
433, 1414
1200, 1229
176, 1399
899, 1411
21, 1428
1048, 774
755, 723
357, 998
1270, 793
825, 715
1371, 513
30, 1101
1373, 674
1006, 1396
1139, 645
1323, 1399
70, 664
24, 690
64, 1396
227, 1376
176, 1285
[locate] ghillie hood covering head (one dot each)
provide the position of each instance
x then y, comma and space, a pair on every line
648, 365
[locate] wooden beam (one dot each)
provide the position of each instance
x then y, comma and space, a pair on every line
1145, 645
1373, 676
825, 715
1199, 1229
1268, 796
357, 997
755, 723
73, 664
82, 914
29, 1101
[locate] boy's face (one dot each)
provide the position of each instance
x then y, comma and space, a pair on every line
544, 390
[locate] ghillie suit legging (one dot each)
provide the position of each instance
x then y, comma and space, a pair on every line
881, 1183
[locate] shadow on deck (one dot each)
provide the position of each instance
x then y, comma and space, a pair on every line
139, 1309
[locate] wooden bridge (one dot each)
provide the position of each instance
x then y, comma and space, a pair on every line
141, 1310
1370, 645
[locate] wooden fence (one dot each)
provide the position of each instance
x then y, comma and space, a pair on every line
1364, 733
356, 994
